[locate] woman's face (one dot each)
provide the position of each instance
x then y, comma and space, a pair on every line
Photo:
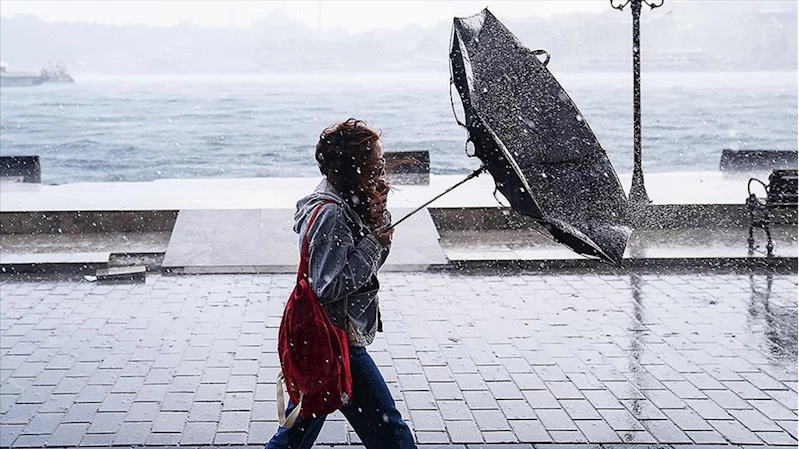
377, 161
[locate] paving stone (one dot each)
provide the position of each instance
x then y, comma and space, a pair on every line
597, 431
494, 373
117, 402
32, 441
206, 411
332, 433
621, 420
238, 401
470, 381
564, 390
421, 400
579, 409
666, 431
68, 435
58, 403
567, 436
260, 432
177, 402
505, 390
134, 433
745, 390
489, 420
530, 431
10, 433
234, 421
772, 409
106, 422
230, 438
104, 377
516, 409
454, 410
777, 438
687, 419
43, 424
480, 400
541, 399
755, 421
624, 390
444, 391
81, 413
643, 409
93, 393
198, 433
463, 432
163, 439
498, 437
528, 381
98, 440
20, 414
413, 382
214, 392
786, 398
555, 420
664, 399
602, 399
142, 412
152, 393
735, 432
460, 366
170, 422
50, 377
703, 437
427, 420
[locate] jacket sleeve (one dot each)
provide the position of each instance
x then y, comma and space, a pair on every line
337, 266
384, 253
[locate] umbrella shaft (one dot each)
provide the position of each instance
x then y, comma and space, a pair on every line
474, 174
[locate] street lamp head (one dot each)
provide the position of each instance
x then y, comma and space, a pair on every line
620, 4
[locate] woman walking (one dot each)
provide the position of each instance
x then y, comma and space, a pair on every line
348, 243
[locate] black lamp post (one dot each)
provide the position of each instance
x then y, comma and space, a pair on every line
638, 196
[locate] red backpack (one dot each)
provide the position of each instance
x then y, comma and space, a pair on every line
314, 353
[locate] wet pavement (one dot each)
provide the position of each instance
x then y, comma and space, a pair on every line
521, 358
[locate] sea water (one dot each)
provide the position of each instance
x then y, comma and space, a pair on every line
142, 128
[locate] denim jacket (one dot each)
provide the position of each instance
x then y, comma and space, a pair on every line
344, 259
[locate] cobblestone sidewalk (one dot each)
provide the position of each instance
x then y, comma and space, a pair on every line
673, 359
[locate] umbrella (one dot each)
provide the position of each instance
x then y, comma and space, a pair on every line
531, 137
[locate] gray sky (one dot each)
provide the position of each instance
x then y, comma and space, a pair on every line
354, 16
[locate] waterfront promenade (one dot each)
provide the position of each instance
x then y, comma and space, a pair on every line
693, 342
669, 358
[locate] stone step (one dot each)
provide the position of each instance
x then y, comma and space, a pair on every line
263, 241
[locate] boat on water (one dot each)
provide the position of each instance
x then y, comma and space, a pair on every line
51, 74
57, 74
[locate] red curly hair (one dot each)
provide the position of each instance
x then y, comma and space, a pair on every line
342, 154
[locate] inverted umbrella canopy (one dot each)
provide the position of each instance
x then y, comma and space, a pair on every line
531, 137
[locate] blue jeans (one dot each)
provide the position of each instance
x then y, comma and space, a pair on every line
371, 412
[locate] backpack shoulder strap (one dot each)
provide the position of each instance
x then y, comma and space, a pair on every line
305, 253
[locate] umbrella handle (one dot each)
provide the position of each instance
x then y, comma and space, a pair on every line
474, 174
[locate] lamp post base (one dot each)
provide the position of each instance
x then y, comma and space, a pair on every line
638, 200
638, 195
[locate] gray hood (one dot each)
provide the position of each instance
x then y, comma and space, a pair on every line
323, 192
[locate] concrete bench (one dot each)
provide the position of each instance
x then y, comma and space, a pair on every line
20, 169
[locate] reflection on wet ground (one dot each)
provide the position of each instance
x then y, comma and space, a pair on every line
479, 358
